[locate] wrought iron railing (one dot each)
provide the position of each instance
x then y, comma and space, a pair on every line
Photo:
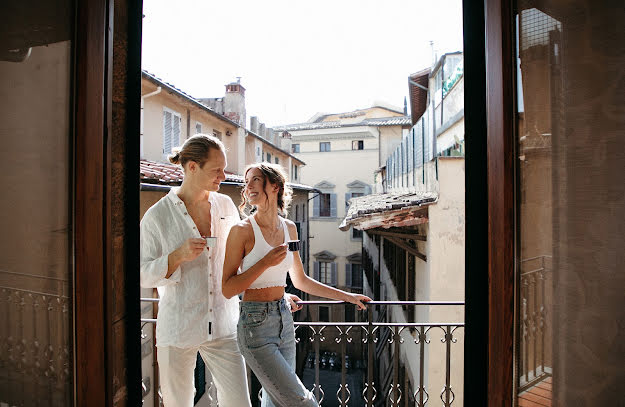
534, 363
374, 334
35, 350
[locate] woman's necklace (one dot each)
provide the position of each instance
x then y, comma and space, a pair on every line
269, 230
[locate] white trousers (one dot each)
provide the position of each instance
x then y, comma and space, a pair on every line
223, 360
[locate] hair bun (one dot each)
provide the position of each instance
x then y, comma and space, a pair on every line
174, 158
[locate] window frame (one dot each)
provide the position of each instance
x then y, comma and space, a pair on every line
360, 145
173, 142
325, 147
322, 212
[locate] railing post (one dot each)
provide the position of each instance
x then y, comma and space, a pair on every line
421, 390
448, 339
395, 391
344, 391
317, 338
370, 353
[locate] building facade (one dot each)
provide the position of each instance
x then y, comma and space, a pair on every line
342, 152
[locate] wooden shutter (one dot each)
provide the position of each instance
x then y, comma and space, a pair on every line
175, 140
316, 206
348, 196
348, 275
333, 276
316, 271
166, 132
333, 205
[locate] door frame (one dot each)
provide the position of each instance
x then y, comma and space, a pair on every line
490, 224
106, 313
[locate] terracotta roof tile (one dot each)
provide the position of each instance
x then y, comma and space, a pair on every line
369, 206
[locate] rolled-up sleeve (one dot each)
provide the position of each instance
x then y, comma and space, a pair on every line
154, 263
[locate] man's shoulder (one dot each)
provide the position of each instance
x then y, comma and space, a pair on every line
162, 205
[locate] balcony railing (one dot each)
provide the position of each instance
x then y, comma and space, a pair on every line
382, 349
535, 361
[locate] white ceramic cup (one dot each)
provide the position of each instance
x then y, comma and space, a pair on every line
211, 241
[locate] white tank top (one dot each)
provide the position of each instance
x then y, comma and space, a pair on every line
274, 276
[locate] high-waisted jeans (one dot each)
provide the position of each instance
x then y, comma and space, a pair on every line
266, 338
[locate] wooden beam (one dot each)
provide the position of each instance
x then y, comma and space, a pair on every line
410, 236
406, 247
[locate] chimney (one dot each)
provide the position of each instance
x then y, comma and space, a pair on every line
270, 136
285, 141
234, 102
262, 131
254, 124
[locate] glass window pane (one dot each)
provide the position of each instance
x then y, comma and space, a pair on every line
35, 172
570, 165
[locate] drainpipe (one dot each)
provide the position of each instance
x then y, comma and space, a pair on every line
156, 92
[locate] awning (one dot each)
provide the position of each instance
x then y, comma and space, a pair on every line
395, 209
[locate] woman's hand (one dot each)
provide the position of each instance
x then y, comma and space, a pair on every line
293, 300
275, 256
190, 249
358, 300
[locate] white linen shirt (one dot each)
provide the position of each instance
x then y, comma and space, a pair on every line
192, 308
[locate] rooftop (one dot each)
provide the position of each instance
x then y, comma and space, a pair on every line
388, 210
162, 174
381, 121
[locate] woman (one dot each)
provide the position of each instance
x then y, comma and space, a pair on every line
258, 247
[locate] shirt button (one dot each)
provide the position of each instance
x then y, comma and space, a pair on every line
211, 293
210, 310
185, 213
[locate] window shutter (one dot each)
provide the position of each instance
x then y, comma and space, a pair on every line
348, 196
166, 132
348, 275
333, 205
316, 271
368, 190
334, 282
316, 206
176, 131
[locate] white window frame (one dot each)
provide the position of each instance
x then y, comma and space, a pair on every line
325, 272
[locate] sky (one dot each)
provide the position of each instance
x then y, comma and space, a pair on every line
297, 58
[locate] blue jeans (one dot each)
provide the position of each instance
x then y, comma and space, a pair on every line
266, 338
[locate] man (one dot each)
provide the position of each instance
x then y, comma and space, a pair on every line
193, 314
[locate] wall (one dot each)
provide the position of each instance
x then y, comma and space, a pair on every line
446, 241
189, 114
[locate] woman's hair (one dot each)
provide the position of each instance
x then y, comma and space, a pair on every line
196, 148
275, 175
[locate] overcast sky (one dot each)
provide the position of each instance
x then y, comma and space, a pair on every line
296, 58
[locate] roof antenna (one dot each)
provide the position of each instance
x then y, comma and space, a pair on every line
433, 53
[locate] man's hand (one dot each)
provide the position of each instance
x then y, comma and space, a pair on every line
293, 300
191, 248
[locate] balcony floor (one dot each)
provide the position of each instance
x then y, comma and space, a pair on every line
537, 396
